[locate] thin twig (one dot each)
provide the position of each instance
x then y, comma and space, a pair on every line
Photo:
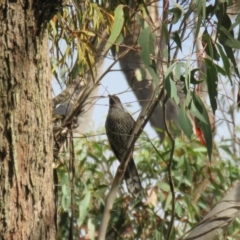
171, 183
78, 104
71, 177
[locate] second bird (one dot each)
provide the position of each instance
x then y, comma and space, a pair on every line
119, 127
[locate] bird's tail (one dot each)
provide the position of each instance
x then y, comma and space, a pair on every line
132, 179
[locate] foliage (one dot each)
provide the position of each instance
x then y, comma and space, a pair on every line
199, 183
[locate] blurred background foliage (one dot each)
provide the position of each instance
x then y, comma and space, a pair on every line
199, 185
74, 35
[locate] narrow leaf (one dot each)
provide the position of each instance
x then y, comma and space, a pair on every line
185, 123
165, 32
204, 125
212, 82
232, 43
117, 26
197, 112
177, 39
177, 12
83, 208
209, 46
193, 80
91, 229
147, 42
226, 63
226, 34
171, 89
178, 69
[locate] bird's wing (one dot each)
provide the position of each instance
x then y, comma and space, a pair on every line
114, 149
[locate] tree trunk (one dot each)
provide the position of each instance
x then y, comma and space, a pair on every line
26, 178
144, 90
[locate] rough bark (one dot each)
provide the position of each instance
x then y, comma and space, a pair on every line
26, 177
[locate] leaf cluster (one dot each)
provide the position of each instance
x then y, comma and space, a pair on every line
199, 185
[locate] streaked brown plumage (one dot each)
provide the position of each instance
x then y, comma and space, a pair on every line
119, 126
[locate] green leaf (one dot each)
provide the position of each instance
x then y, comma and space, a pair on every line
178, 209
118, 42
226, 63
188, 99
83, 208
66, 198
201, 8
164, 186
169, 70
226, 35
117, 26
230, 54
185, 123
220, 15
210, 10
232, 43
157, 234
237, 22
209, 46
227, 149
171, 89
168, 202
91, 229
147, 42
193, 80
200, 18
198, 110
212, 82
176, 39
180, 162
178, 68
83, 153
75, 70
189, 78
165, 32
177, 12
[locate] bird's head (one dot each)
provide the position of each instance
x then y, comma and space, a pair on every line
114, 101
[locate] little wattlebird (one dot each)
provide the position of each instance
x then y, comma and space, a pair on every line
119, 127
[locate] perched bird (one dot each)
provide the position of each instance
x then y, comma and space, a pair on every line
119, 127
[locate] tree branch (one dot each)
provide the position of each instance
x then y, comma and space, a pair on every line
171, 183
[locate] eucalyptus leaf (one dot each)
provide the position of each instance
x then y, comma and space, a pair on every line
147, 42
177, 12
83, 207
198, 110
212, 83
171, 89
185, 122
117, 26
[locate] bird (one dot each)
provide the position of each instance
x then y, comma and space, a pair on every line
119, 126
